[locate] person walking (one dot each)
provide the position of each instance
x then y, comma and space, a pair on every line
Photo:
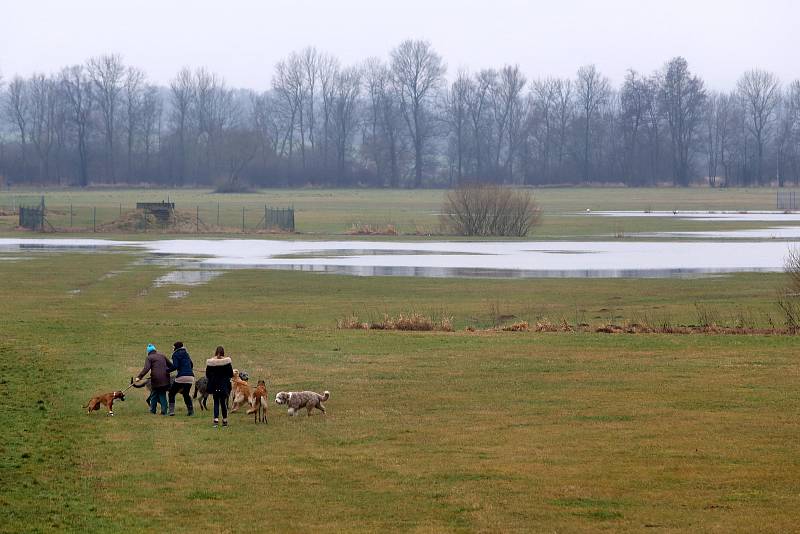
159, 368
219, 371
182, 362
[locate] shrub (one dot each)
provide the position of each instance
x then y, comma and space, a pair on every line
789, 297
489, 210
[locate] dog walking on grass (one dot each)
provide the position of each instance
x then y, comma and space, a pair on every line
297, 400
260, 401
106, 399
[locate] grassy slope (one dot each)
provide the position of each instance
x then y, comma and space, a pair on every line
335, 211
426, 432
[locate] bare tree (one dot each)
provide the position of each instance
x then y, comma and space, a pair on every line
181, 96
635, 101
456, 115
712, 137
682, 97
348, 87
510, 87
17, 110
479, 102
592, 91
43, 109
78, 88
107, 73
385, 121
328, 73
152, 111
760, 91
133, 95
417, 72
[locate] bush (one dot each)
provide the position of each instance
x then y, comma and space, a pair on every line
789, 297
489, 210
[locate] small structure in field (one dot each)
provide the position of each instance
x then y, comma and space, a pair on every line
32, 216
162, 211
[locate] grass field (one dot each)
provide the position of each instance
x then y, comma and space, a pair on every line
426, 432
334, 212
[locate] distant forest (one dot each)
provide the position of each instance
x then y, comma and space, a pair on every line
399, 122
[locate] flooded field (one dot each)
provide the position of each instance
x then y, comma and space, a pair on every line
198, 261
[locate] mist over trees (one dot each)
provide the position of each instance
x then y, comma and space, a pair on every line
396, 122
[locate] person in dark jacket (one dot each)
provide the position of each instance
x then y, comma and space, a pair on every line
219, 371
182, 362
159, 368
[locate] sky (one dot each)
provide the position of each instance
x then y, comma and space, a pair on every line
242, 40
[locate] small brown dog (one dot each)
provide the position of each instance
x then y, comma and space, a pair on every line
241, 392
107, 399
260, 401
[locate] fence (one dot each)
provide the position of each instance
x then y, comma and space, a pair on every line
31, 214
205, 218
786, 200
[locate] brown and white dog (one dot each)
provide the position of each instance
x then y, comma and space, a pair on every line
260, 401
106, 399
241, 392
296, 400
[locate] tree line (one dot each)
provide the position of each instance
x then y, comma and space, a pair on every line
396, 123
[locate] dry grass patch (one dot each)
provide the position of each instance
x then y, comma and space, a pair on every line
413, 321
369, 229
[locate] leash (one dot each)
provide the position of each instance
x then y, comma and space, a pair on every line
133, 384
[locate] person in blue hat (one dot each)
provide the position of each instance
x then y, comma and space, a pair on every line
159, 368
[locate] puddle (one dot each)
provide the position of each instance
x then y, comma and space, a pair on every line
178, 294
197, 261
186, 278
737, 216
781, 232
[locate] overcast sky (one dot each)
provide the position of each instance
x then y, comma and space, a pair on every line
243, 39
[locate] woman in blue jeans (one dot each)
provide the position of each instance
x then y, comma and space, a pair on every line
219, 371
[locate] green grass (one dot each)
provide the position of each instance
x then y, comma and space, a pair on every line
426, 432
321, 212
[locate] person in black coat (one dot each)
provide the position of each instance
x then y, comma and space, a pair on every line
219, 371
184, 379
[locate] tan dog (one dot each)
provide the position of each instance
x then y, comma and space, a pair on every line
241, 392
260, 401
106, 399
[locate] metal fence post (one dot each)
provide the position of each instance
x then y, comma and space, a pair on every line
217, 214
94, 219
242, 219
197, 221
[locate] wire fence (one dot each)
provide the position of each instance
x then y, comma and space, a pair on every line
786, 200
32, 213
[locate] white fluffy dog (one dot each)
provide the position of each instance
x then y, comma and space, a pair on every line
296, 400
